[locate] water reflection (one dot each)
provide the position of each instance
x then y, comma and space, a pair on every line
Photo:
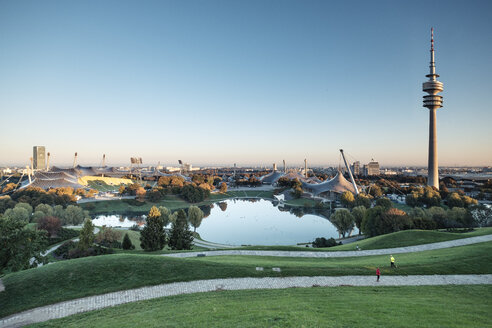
261, 222
249, 222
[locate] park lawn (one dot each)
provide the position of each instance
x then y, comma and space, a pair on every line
423, 306
303, 202
410, 238
71, 279
391, 240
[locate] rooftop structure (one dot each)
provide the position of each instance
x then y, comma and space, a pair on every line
432, 101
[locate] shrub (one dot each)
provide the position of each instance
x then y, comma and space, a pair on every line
323, 242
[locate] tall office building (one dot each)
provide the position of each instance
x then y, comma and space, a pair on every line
371, 169
432, 101
39, 157
356, 168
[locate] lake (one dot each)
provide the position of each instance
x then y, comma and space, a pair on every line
250, 222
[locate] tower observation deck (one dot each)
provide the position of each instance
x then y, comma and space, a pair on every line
432, 101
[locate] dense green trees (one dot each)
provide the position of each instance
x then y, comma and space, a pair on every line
181, 237
343, 220
194, 194
359, 213
153, 235
347, 199
19, 244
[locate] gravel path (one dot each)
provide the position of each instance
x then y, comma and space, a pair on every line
91, 303
398, 250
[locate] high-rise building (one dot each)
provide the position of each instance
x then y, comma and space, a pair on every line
39, 157
371, 169
356, 168
432, 101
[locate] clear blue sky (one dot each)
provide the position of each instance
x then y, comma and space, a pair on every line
251, 82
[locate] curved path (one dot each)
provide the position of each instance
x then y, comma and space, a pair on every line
91, 303
397, 250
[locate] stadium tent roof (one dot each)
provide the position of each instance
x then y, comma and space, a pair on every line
271, 178
338, 184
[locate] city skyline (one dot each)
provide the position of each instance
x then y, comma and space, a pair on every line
223, 82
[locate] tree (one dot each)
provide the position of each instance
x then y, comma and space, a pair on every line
18, 214
359, 213
74, 215
107, 236
154, 195
482, 214
384, 202
223, 187
127, 243
86, 235
362, 200
165, 215
18, 245
394, 220
51, 224
375, 191
347, 199
181, 237
371, 224
454, 200
45, 208
153, 235
343, 220
26, 206
195, 216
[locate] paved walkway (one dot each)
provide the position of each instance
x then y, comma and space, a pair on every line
398, 250
91, 303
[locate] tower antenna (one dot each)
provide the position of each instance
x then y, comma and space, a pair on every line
432, 101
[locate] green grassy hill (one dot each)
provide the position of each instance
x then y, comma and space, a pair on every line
102, 274
429, 306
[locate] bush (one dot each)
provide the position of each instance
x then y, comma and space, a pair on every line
63, 234
70, 250
62, 251
323, 242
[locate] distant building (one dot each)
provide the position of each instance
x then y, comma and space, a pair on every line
39, 157
356, 168
371, 169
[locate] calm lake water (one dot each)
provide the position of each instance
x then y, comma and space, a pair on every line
247, 222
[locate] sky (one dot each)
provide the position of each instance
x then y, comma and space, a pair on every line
246, 82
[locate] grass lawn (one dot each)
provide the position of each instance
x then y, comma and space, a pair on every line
429, 306
410, 238
102, 274
391, 240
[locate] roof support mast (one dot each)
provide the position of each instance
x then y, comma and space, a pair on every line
350, 173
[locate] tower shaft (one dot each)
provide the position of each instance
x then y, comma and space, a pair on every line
432, 167
432, 101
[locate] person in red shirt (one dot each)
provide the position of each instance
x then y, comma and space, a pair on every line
378, 273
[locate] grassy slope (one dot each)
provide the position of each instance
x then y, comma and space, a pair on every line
396, 239
97, 275
436, 306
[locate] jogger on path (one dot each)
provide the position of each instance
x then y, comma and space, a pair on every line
378, 273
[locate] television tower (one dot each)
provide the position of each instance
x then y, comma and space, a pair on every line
432, 101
